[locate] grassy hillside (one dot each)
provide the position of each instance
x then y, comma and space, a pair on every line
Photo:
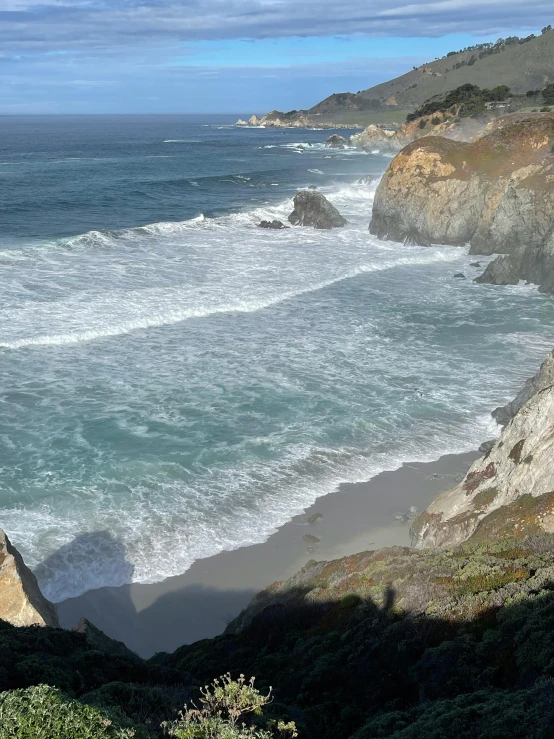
520, 66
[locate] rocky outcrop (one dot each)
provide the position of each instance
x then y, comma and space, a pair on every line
543, 378
311, 208
274, 225
374, 138
21, 602
496, 194
391, 141
336, 142
510, 490
252, 121
293, 119
104, 644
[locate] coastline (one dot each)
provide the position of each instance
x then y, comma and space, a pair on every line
162, 616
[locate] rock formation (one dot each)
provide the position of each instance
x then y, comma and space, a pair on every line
252, 121
496, 194
275, 225
21, 602
311, 208
374, 138
509, 491
336, 142
543, 378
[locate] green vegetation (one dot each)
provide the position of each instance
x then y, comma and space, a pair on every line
225, 704
394, 644
466, 100
42, 712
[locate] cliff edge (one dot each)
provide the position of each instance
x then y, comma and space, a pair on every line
21, 602
497, 194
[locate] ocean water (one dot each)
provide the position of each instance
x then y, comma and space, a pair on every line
175, 381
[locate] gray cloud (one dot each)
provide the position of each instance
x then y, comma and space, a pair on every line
104, 25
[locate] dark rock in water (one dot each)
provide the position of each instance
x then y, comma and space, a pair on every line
366, 180
504, 270
460, 275
276, 225
310, 539
475, 264
486, 446
313, 209
315, 518
336, 142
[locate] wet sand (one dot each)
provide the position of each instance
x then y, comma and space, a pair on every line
156, 617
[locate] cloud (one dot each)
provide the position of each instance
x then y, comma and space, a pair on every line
105, 25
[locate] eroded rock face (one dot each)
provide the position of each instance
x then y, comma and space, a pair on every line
336, 142
313, 209
543, 378
21, 602
496, 193
375, 138
510, 489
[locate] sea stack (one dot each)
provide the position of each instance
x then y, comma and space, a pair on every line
311, 208
21, 602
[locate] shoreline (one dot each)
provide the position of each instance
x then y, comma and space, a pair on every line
198, 604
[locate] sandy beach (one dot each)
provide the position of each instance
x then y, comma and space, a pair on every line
156, 617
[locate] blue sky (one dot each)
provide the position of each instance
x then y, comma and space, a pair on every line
237, 56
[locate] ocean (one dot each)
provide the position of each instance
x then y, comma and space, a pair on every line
175, 381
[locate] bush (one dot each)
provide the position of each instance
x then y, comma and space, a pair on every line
435, 121
42, 712
422, 123
225, 704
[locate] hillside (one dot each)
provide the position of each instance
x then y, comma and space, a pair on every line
520, 66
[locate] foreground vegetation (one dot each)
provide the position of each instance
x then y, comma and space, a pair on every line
396, 643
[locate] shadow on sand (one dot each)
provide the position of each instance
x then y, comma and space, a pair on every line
147, 618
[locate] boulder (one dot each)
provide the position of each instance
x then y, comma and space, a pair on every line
504, 270
375, 138
254, 120
275, 225
311, 208
21, 602
336, 142
460, 275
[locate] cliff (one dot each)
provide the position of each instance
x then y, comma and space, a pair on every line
21, 602
496, 193
510, 491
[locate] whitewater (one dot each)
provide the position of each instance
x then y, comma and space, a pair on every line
182, 382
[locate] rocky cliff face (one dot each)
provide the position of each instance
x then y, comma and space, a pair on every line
496, 194
21, 602
510, 491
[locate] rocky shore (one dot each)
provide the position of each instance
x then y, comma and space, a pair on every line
497, 194
277, 119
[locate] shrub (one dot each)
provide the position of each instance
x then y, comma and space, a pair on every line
545, 109
224, 705
435, 121
42, 712
422, 123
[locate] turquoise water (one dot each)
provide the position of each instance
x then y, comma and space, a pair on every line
186, 382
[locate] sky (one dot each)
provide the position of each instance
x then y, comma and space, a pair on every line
229, 56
